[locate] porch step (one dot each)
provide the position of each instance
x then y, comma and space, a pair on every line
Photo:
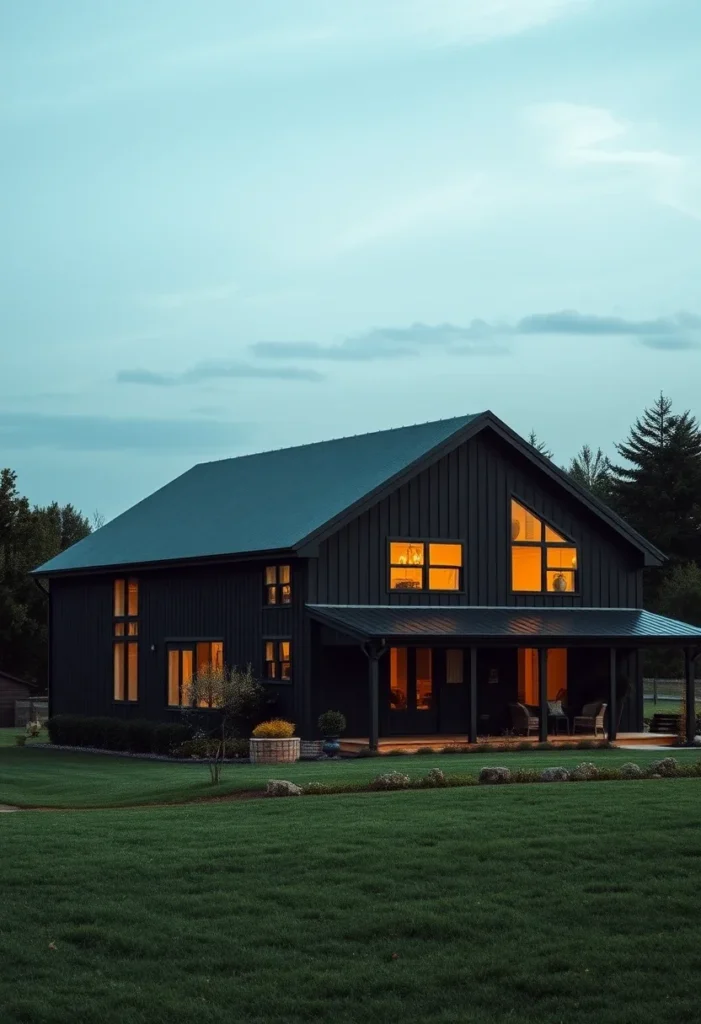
662, 722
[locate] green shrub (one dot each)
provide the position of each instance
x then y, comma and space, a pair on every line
390, 780
435, 779
332, 723
525, 775
169, 735
20, 740
208, 746
317, 789
367, 752
396, 753
139, 736
426, 750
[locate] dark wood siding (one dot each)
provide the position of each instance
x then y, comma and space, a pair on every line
466, 496
213, 602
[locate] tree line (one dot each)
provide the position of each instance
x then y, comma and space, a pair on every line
29, 536
654, 483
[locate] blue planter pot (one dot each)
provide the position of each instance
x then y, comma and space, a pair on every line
331, 746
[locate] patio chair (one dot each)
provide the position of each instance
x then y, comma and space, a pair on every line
591, 718
522, 720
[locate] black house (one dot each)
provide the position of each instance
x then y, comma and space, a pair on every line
443, 578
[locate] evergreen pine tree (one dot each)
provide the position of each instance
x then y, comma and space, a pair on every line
592, 470
540, 446
659, 490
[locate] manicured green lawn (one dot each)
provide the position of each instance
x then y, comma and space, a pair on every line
526, 904
46, 778
664, 707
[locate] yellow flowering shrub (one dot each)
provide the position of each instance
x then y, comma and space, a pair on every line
275, 729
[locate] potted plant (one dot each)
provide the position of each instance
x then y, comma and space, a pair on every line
331, 725
274, 742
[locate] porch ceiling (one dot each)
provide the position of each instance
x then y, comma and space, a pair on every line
539, 626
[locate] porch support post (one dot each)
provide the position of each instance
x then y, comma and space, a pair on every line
689, 662
374, 652
472, 736
613, 710
543, 693
374, 665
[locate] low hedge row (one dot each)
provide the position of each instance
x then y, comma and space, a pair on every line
135, 736
488, 747
667, 768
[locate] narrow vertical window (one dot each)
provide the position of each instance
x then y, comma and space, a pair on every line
277, 657
278, 585
125, 647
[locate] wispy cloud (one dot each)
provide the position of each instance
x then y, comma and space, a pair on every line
480, 338
391, 343
92, 71
215, 370
27, 431
584, 136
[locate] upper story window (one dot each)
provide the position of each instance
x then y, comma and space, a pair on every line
423, 565
278, 589
278, 660
125, 648
542, 560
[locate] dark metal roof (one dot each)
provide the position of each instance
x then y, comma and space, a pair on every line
255, 503
561, 625
285, 499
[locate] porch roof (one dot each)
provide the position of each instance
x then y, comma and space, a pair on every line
575, 626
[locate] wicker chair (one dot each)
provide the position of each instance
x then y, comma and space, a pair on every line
522, 720
591, 718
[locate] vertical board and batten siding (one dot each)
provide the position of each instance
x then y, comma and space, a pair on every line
466, 496
187, 604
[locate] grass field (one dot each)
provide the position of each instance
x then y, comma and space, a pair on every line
48, 778
529, 904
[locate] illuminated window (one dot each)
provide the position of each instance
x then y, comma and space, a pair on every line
125, 649
197, 663
454, 668
411, 569
278, 660
278, 589
398, 679
542, 560
424, 679
529, 674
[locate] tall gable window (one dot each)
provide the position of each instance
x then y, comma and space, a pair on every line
125, 647
423, 565
278, 588
542, 560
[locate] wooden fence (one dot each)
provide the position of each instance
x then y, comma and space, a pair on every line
26, 710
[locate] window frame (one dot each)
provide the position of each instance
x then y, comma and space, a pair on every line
426, 566
181, 643
277, 586
125, 636
278, 661
543, 545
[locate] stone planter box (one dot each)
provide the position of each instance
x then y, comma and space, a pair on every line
268, 751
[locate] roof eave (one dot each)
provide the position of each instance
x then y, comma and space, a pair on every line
165, 563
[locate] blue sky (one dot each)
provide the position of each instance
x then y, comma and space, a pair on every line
231, 226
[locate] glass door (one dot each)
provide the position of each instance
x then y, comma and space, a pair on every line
411, 691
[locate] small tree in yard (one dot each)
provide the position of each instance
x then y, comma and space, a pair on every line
235, 694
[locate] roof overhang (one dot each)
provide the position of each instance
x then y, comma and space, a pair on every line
491, 627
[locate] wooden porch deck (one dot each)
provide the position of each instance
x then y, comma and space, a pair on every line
437, 742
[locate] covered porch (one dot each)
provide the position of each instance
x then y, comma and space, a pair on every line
435, 676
